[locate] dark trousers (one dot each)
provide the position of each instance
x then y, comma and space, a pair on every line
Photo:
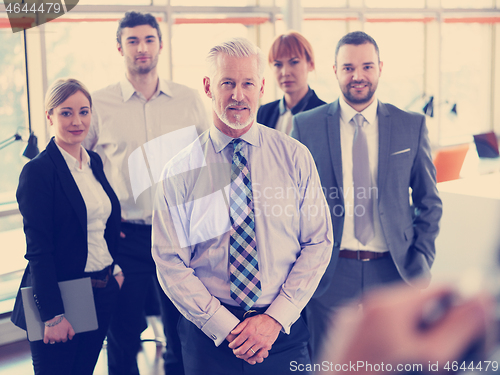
129, 320
202, 357
172, 357
78, 356
352, 278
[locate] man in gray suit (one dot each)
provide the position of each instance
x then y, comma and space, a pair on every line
375, 166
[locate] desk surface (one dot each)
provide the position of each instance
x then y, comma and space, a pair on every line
475, 166
469, 240
483, 186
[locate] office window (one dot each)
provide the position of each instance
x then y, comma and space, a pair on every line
323, 36
85, 51
114, 2
324, 3
13, 106
467, 3
465, 80
403, 70
395, 3
190, 45
214, 3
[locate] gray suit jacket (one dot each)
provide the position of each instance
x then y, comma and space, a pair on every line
409, 227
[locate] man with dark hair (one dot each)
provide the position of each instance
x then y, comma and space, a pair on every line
369, 155
141, 116
133, 19
356, 38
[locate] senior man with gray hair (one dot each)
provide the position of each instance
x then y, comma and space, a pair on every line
241, 231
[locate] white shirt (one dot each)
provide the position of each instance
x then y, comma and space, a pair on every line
98, 210
123, 122
191, 228
347, 129
284, 123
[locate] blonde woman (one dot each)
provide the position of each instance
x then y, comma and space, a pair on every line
71, 220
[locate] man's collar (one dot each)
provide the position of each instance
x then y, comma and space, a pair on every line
347, 112
221, 140
299, 107
128, 89
165, 88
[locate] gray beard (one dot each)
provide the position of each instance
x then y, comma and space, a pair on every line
236, 126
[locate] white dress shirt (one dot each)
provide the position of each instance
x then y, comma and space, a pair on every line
98, 210
191, 228
123, 121
284, 123
347, 129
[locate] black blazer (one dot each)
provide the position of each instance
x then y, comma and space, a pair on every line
55, 225
268, 114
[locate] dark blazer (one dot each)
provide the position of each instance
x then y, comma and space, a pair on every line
404, 162
55, 225
268, 114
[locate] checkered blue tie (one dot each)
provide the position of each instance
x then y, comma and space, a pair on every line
243, 264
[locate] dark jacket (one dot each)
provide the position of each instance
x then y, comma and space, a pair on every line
268, 114
55, 225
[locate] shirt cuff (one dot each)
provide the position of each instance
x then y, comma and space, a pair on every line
284, 312
219, 325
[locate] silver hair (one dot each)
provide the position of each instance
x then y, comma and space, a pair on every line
236, 47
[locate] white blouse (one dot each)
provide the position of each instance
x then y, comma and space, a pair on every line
284, 123
98, 210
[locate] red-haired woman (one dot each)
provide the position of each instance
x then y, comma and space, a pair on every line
291, 58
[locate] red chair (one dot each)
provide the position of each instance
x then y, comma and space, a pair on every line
449, 161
